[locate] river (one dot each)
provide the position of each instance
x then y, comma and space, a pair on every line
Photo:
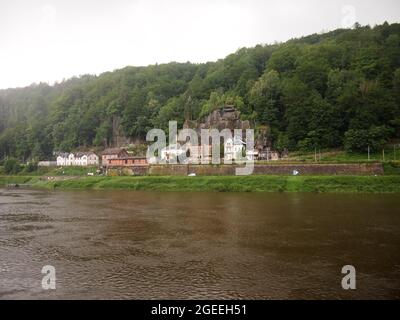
153, 245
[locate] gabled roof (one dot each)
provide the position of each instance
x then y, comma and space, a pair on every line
129, 158
237, 140
81, 154
62, 154
113, 151
76, 155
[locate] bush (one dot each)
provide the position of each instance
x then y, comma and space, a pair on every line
11, 166
356, 140
31, 167
379, 136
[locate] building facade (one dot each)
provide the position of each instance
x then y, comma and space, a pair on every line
173, 151
113, 153
126, 162
234, 148
78, 159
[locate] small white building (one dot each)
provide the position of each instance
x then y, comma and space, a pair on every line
252, 155
268, 155
86, 159
173, 151
70, 160
233, 148
62, 159
47, 163
199, 153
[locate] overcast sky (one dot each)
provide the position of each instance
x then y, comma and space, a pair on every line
48, 40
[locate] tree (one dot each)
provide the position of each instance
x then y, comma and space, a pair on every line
296, 101
359, 140
265, 98
284, 59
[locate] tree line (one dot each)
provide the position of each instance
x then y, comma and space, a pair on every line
339, 89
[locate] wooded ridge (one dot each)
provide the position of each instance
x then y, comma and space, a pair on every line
337, 89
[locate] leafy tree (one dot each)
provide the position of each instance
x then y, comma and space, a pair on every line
11, 166
265, 98
359, 140
282, 142
31, 167
285, 58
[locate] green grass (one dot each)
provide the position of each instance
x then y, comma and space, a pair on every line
5, 180
316, 184
56, 171
392, 168
340, 156
71, 171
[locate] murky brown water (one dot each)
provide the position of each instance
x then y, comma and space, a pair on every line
145, 245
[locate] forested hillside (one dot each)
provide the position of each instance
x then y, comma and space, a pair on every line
339, 89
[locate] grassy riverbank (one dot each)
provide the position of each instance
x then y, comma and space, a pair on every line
333, 184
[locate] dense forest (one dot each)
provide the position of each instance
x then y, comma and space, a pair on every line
334, 90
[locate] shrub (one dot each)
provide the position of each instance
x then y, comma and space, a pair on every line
31, 167
11, 166
356, 140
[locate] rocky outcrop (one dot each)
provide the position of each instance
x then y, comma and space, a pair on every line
225, 117
118, 136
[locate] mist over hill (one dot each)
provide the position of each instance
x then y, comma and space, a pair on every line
338, 89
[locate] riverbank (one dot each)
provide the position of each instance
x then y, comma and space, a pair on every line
318, 184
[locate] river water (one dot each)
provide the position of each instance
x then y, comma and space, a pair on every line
152, 245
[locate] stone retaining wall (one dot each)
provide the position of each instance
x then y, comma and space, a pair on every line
265, 169
321, 169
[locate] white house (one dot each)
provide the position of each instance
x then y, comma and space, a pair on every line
200, 153
78, 159
47, 163
62, 159
70, 160
252, 155
86, 159
233, 148
268, 155
173, 151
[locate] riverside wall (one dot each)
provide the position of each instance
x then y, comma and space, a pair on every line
262, 169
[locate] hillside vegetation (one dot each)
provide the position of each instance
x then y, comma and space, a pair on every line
335, 90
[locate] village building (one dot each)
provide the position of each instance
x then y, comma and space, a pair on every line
47, 163
201, 153
234, 148
126, 162
252, 155
113, 153
62, 159
86, 159
70, 161
268, 155
77, 159
173, 151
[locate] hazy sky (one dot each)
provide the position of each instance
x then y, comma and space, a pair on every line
48, 40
